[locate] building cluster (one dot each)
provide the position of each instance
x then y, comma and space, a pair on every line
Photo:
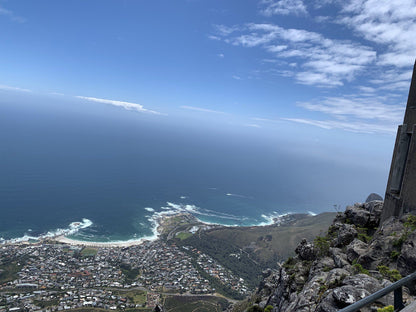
216, 270
52, 300
72, 276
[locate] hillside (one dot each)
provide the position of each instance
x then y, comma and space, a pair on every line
355, 257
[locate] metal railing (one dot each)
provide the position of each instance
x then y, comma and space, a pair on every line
398, 295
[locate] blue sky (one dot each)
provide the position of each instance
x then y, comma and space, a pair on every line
309, 71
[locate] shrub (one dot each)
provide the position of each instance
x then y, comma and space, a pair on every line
268, 308
392, 275
410, 223
289, 263
389, 308
255, 308
394, 254
358, 269
363, 235
322, 245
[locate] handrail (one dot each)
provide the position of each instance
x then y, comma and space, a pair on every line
396, 287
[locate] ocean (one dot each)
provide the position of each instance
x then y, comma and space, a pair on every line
100, 173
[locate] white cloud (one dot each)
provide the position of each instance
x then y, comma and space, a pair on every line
391, 24
203, 110
225, 30
283, 7
321, 61
368, 108
253, 125
11, 15
236, 77
359, 127
9, 88
266, 119
220, 55
125, 105
375, 59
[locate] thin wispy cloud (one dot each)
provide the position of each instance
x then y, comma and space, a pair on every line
373, 55
357, 107
125, 105
13, 17
10, 88
282, 7
358, 127
389, 24
322, 61
251, 125
202, 110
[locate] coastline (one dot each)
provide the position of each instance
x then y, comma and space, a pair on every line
129, 243
165, 223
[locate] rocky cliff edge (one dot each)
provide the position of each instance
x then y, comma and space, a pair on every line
356, 257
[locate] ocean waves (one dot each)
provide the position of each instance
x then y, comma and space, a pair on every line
146, 221
73, 228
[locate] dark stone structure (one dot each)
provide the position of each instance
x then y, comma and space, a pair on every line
400, 195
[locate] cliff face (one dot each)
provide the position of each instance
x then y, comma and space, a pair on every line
356, 257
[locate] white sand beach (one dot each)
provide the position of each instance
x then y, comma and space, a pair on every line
69, 241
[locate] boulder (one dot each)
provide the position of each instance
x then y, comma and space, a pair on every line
375, 208
305, 250
347, 295
406, 263
356, 249
372, 197
363, 281
336, 277
340, 258
357, 215
346, 234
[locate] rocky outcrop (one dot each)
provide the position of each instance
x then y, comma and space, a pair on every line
372, 197
305, 250
357, 257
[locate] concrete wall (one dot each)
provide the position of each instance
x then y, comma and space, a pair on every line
400, 195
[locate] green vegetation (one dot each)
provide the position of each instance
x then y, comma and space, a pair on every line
267, 245
137, 296
289, 263
322, 245
399, 242
183, 235
389, 308
358, 268
222, 251
322, 289
393, 275
8, 272
363, 234
394, 254
410, 223
88, 252
195, 304
45, 304
410, 226
255, 308
220, 288
129, 273
269, 308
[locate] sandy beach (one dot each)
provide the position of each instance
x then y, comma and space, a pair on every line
65, 240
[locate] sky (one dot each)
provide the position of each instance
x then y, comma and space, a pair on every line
325, 76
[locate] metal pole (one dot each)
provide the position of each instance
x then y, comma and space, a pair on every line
398, 299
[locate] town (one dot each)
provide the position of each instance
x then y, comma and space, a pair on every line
50, 276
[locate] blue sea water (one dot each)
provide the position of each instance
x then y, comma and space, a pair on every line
114, 170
